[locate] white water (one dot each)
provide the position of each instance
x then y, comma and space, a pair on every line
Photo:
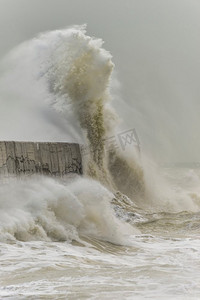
46, 209
126, 229
38, 259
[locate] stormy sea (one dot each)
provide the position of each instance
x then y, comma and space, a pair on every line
128, 228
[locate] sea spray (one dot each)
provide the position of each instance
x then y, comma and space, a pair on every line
42, 208
58, 85
79, 74
70, 72
127, 174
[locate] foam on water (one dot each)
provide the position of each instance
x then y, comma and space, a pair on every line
45, 209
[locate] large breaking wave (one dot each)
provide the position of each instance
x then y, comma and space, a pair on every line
56, 87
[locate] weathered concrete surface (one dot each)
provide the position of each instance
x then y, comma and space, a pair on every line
26, 158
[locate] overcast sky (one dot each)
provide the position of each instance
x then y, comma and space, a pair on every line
156, 49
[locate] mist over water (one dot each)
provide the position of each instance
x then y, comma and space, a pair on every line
59, 87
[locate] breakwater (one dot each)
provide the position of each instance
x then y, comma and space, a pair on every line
26, 158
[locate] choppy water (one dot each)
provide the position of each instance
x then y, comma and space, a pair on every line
161, 262
154, 268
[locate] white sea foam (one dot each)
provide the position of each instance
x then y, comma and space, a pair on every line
46, 209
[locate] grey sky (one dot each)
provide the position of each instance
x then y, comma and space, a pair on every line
155, 47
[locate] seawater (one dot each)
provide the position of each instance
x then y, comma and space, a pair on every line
127, 229
50, 255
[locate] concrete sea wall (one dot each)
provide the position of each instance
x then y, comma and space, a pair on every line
26, 158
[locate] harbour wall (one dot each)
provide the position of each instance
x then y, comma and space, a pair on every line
27, 158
